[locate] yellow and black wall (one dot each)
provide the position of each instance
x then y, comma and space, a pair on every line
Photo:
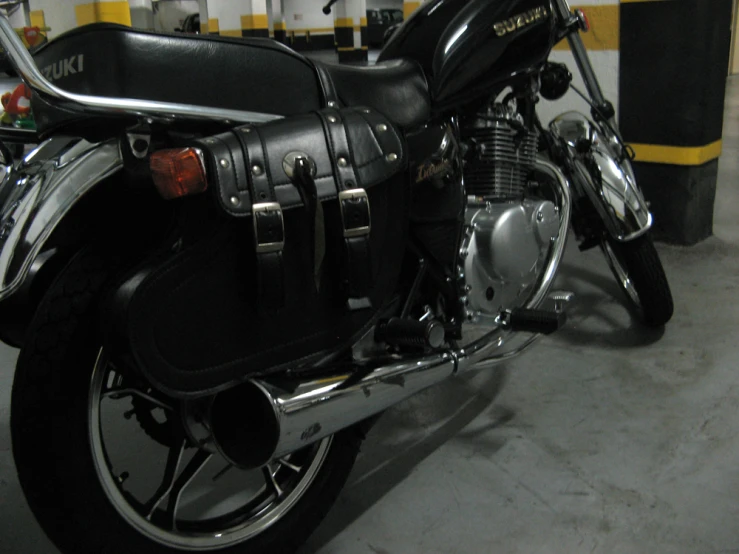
255, 25
351, 39
674, 62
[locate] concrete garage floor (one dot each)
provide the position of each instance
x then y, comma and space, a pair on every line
604, 438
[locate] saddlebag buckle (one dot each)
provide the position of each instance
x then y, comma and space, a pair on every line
355, 212
269, 227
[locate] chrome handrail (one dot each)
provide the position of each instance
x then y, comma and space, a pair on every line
99, 105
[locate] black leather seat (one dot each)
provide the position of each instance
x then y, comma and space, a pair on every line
396, 88
250, 74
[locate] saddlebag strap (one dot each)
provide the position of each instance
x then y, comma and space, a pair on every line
355, 212
268, 222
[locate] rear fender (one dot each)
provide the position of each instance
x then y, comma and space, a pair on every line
36, 196
613, 192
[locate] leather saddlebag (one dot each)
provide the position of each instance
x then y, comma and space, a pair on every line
291, 257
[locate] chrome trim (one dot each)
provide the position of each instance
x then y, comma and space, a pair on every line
565, 206
40, 192
615, 196
29, 72
354, 194
265, 208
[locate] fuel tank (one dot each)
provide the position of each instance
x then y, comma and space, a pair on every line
468, 48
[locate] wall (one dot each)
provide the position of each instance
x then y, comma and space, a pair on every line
19, 17
172, 13
228, 14
59, 14
307, 14
142, 14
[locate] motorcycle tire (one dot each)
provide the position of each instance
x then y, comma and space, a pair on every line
640, 274
54, 454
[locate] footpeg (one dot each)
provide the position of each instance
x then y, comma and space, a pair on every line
409, 332
533, 321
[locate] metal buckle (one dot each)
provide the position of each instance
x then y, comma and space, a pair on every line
268, 208
349, 195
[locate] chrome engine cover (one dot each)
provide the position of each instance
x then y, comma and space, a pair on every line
504, 252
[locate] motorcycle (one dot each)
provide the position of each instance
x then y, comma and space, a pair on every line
214, 304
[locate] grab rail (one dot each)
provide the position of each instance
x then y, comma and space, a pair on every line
99, 105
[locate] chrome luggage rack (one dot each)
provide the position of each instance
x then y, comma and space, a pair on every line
99, 105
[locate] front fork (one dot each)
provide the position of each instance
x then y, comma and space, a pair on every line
603, 109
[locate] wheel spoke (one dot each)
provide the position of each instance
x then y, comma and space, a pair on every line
284, 463
269, 478
174, 457
119, 393
198, 462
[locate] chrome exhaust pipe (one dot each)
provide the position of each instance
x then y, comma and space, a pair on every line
261, 421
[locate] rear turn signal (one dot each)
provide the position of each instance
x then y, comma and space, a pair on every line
178, 172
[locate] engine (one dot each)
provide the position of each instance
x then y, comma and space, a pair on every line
509, 229
503, 154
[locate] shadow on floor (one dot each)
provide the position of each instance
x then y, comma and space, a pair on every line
405, 437
596, 323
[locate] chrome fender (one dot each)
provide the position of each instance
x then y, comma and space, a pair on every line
35, 197
614, 193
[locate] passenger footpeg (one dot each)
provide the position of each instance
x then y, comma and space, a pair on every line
409, 332
533, 321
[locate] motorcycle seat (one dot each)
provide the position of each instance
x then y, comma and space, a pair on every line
102, 59
250, 74
396, 88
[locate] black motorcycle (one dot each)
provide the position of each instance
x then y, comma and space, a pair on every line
219, 283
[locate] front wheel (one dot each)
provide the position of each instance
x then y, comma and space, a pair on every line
639, 272
107, 467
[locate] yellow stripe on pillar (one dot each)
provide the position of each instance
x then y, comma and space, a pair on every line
409, 8
255, 21
110, 12
605, 33
344, 22
38, 19
213, 26
677, 155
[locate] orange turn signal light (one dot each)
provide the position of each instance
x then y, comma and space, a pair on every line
178, 172
583, 20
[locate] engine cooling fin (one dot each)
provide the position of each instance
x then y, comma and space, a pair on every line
504, 156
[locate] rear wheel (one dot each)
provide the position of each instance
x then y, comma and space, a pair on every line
106, 464
639, 272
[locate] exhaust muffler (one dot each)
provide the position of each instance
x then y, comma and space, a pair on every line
261, 421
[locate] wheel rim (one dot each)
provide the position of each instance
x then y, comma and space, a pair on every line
621, 274
284, 482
